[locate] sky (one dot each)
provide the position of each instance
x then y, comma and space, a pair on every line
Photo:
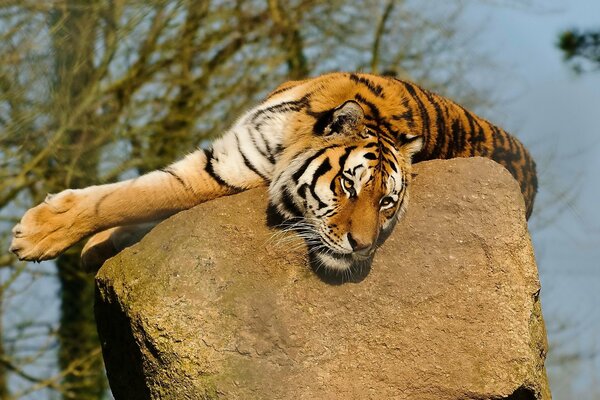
556, 113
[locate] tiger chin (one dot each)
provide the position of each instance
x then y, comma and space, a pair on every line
331, 266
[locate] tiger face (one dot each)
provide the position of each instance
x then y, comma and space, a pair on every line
344, 191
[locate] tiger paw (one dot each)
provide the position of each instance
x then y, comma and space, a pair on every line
98, 249
106, 244
50, 228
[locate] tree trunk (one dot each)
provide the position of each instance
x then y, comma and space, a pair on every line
78, 338
75, 165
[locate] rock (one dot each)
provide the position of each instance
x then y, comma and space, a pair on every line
212, 304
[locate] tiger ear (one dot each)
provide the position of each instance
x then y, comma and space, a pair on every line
411, 145
346, 119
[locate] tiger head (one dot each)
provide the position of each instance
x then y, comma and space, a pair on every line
344, 188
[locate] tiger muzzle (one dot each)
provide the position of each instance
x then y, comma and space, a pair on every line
361, 249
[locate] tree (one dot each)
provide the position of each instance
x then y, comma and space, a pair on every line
581, 49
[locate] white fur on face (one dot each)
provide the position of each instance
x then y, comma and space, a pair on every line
309, 187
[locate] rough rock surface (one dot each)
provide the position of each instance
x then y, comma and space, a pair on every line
212, 304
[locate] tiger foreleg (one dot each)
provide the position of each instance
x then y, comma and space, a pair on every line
106, 244
63, 219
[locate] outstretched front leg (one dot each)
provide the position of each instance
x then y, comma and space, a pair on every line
63, 219
243, 158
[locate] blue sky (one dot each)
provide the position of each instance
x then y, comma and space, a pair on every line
557, 115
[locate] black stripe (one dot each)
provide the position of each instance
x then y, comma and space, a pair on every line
376, 89
470, 131
374, 109
289, 204
174, 175
495, 136
294, 105
403, 186
405, 116
341, 162
372, 126
275, 219
249, 164
322, 170
424, 119
477, 138
391, 142
386, 155
99, 203
404, 139
327, 213
323, 120
501, 137
457, 145
385, 150
385, 125
518, 147
332, 183
344, 156
302, 190
401, 202
268, 155
210, 171
296, 176
440, 127
278, 91
393, 166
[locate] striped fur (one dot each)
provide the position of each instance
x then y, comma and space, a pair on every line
336, 152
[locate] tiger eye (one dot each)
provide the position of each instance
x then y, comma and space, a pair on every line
386, 201
347, 184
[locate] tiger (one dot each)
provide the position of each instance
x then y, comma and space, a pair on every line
335, 153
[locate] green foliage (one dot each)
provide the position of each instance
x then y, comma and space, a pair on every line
581, 49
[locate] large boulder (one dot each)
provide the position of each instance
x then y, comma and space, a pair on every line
213, 304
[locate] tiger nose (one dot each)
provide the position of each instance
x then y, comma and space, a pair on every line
358, 245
